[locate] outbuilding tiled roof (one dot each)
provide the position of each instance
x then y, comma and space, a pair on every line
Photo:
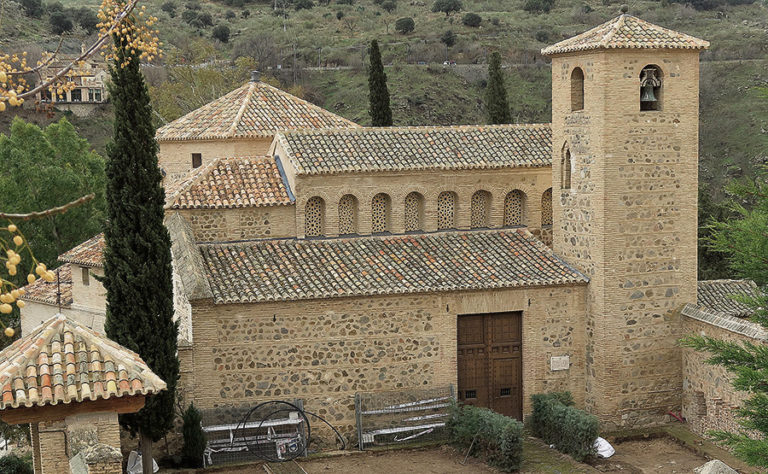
42, 291
718, 295
62, 361
231, 183
417, 148
307, 269
88, 254
254, 110
626, 31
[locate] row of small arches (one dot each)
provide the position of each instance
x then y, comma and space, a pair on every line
413, 212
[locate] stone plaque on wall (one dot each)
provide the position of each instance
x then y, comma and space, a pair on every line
560, 362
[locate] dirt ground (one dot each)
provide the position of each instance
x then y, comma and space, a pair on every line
659, 455
441, 460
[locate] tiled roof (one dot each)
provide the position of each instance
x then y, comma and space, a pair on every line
254, 110
308, 269
88, 254
726, 321
416, 148
718, 295
43, 291
62, 361
230, 183
626, 31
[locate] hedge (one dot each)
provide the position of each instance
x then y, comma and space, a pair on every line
557, 422
497, 438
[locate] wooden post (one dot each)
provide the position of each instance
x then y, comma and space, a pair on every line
146, 453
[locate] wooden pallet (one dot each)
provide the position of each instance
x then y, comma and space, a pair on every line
290, 467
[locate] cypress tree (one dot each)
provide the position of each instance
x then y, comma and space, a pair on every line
496, 104
137, 258
378, 94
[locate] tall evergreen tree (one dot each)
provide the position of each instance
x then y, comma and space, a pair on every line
378, 94
496, 105
137, 258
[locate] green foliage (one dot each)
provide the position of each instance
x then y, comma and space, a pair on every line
60, 22
538, 6
13, 464
713, 4
205, 18
389, 6
221, 33
137, 258
194, 437
447, 6
169, 8
497, 438
86, 18
405, 25
32, 8
571, 430
448, 38
472, 19
378, 94
303, 5
41, 169
712, 264
496, 105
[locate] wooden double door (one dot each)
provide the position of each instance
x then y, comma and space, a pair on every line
490, 362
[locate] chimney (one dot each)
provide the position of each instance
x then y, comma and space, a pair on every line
255, 76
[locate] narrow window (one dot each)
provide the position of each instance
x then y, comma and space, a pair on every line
314, 217
650, 88
86, 276
565, 169
414, 212
513, 209
577, 89
380, 210
480, 209
77, 95
446, 211
546, 208
197, 160
347, 215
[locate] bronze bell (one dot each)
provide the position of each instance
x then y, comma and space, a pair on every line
647, 94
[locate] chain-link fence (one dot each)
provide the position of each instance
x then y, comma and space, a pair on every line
408, 416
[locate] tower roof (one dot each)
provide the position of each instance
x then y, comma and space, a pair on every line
62, 361
626, 32
255, 109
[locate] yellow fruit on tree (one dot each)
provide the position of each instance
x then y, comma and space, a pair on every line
20, 304
5, 308
31, 278
12, 228
9, 332
18, 240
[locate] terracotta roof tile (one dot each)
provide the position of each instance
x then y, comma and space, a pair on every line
415, 148
87, 254
718, 295
626, 31
295, 270
254, 110
231, 183
43, 291
62, 361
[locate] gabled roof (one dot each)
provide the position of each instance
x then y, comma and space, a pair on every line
254, 110
448, 261
718, 295
42, 291
626, 31
88, 254
62, 361
232, 183
418, 148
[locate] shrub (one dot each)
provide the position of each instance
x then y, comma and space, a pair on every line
557, 422
32, 8
60, 22
497, 438
446, 6
345, 2
339, 15
206, 19
472, 19
389, 6
303, 5
542, 36
86, 18
405, 25
13, 464
230, 15
448, 38
538, 6
169, 8
54, 7
194, 437
189, 16
221, 33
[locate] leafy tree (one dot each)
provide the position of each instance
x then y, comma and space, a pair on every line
389, 6
339, 15
54, 7
378, 94
230, 15
245, 14
303, 5
137, 258
41, 169
405, 25
712, 264
13, 464
169, 8
538, 6
448, 38
472, 19
496, 105
32, 8
221, 33
60, 22
194, 437
447, 6
744, 242
205, 18
189, 16
86, 18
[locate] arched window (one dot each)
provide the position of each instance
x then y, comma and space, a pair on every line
513, 208
480, 210
546, 208
314, 217
577, 89
650, 88
380, 213
414, 212
347, 215
446, 210
565, 169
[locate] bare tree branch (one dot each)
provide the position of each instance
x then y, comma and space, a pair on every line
47, 212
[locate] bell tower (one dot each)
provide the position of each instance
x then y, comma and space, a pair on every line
625, 120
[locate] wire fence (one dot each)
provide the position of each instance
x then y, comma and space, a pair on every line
403, 417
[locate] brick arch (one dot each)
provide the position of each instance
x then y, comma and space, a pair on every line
546, 208
413, 211
348, 214
480, 209
314, 217
447, 210
515, 211
381, 213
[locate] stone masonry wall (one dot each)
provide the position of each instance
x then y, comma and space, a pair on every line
629, 222
217, 225
325, 351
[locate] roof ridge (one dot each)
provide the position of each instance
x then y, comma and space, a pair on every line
193, 178
308, 103
246, 100
437, 128
618, 23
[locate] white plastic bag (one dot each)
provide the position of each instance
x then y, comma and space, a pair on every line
604, 448
134, 464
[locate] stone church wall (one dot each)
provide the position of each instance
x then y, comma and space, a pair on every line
217, 225
325, 351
